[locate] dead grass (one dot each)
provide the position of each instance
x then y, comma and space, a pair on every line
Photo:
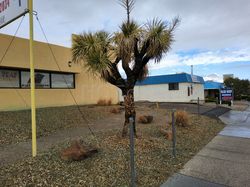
104, 102
145, 119
182, 118
115, 110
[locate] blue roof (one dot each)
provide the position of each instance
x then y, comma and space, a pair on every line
210, 85
174, 78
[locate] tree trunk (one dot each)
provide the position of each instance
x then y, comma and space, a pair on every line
129, 111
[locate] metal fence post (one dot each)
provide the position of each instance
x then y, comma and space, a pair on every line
198, 103
174, 133
132, 151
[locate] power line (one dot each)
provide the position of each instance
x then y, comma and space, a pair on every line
7, 50
54, 57
13, 38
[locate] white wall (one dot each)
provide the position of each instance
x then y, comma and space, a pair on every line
160, 93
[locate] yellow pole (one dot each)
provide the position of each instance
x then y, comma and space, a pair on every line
32, 82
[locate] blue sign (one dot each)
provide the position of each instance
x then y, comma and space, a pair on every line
226, 94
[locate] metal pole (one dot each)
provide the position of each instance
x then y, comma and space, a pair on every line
232, 95
198, 103
32, 82
132, 152
220, 97
174, 133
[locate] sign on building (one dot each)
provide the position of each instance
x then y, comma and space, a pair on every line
10, 10
9, 78
226, 94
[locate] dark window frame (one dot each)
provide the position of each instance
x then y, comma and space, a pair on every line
173, 86
74, 83
10, 69
37, 71
49, 87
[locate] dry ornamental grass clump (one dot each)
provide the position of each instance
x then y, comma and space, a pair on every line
115, 110
182, 118
104, 102
145, 119
77, 151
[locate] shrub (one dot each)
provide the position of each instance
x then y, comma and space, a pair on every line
169, 135
182, 118
109, 102
145, 119
104, 102
115, 110
142, 119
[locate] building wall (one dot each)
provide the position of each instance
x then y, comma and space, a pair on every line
88, 89
161, 93
212, 93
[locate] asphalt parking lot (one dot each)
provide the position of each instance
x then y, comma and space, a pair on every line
204, 109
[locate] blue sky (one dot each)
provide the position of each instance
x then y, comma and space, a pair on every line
211, 71
210, 64
213, 35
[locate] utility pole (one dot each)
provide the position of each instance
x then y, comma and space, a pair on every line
32, 81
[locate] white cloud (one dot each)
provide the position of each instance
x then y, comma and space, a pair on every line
220, 56
169, 60
203, 58
214, 77
208, 25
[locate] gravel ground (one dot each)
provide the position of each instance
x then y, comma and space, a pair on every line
16, 126
110, 167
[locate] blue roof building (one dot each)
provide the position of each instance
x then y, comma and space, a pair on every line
212, 89
210, 85
181, 87
173, 78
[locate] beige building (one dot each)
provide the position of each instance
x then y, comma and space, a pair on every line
54, 83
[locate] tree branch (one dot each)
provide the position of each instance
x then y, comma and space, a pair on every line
141, 59
125, 66
144, 48
136, 51
120, 83
114, 69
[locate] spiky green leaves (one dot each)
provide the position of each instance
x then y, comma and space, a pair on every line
132, 45
93, 50
130, 29
160, 37
125, 40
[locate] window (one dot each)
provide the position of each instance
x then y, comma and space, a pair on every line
9, 78
17, 78
188, 91
42, 80
62, 80
173, 86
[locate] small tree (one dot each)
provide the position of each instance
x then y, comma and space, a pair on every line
133, 46
241, 87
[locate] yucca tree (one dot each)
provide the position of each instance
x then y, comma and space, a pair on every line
133, 46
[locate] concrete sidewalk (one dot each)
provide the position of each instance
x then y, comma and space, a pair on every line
225, 161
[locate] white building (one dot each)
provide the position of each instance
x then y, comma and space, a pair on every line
169, 88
